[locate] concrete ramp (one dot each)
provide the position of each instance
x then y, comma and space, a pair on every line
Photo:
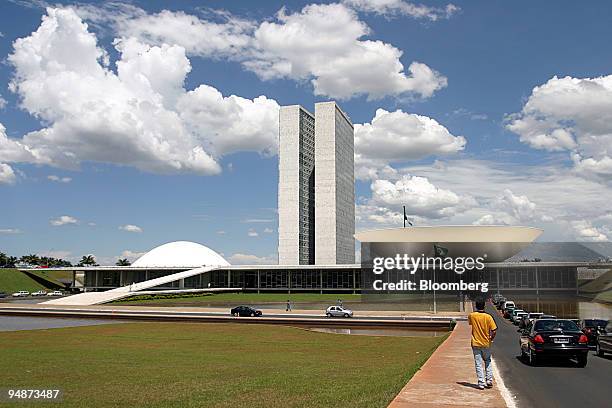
96, 298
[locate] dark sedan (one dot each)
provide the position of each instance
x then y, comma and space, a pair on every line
554, 338
245, 311
591, 327
604, 340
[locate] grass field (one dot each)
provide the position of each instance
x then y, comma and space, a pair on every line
216, 365
314, 301
12, 280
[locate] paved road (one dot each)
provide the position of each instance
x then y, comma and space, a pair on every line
551, 384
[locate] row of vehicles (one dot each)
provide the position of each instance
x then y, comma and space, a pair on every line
25, 293
543, 335
248, 311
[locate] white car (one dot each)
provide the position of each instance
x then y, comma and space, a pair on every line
518, 316
338, 311
55, 293
39, 293
21, 293
508, 303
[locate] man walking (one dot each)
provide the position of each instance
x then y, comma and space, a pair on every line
483, 333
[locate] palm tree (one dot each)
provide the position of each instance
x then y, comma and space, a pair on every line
88, 260
123, 262
11, 261
31, 259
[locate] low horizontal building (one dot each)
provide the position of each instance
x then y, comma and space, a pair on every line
176, 257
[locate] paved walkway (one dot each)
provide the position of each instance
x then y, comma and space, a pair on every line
448, 378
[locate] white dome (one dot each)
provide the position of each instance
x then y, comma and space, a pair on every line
180, 254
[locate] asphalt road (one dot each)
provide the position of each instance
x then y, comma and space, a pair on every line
552, 384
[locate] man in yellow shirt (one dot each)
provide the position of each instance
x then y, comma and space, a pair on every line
483, 333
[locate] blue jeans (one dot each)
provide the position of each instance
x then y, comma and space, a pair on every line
482, 356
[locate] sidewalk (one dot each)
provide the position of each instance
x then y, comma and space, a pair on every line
448, 378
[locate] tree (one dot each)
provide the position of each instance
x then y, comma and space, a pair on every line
123, 262
4, 259
11, 261
88, 260
31, 259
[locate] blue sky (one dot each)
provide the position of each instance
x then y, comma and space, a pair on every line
500, 149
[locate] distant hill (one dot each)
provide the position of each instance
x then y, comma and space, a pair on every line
564, 252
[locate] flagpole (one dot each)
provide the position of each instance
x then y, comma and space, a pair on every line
404, 216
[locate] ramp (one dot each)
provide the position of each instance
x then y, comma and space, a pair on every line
96, 298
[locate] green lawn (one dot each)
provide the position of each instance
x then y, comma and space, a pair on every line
211, 365
12, 280
313, 301
246, 298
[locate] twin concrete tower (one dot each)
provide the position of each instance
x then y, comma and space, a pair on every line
316, 186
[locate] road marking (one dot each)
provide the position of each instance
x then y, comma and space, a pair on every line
505, 392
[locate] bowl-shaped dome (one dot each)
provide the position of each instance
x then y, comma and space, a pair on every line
180, 254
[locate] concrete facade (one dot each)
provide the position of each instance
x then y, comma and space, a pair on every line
334, 186
296, 186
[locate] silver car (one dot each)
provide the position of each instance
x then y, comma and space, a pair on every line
338, 311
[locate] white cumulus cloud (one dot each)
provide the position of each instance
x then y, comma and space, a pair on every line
130, 228
324, 44
518, 206
420, 197
7, 175
490, 219
571, 114
63, 220
400, 136
585, 231
140, 116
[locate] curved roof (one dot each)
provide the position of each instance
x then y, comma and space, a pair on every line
452, 233
180, 254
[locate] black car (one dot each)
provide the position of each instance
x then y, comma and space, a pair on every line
591, 327
2, 294
604, 340
555, 338
244, 311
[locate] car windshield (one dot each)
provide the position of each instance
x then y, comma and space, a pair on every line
552, 325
